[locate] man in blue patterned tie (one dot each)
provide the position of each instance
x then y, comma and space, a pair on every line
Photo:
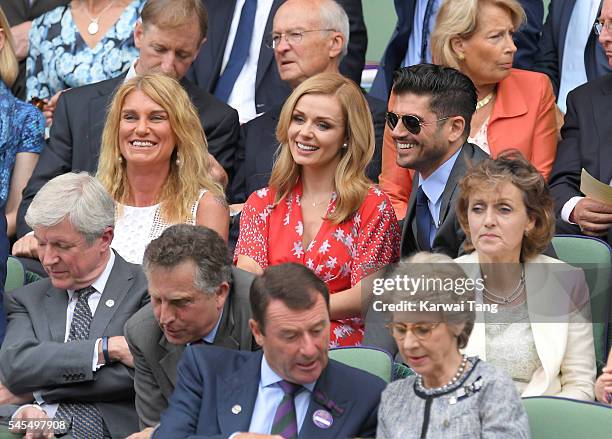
64, 353
289, 389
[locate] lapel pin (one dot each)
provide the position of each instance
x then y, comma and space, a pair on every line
110, 303
322, 419
236, 409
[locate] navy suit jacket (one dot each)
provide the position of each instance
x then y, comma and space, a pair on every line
585, 143
78, 122
258, 144
213, 381
526, 40
549, 59
270, 90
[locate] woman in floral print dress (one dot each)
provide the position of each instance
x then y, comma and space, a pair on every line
320, 209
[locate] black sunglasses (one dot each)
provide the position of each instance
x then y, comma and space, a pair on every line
411, 122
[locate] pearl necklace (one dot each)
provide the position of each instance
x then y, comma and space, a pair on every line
453, 380
93, 26
484, 101
505, 300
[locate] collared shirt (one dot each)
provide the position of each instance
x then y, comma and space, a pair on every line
413, 54
573, 70
131, 71
269, 397
99, 284
433, 186
210, 337
242, 97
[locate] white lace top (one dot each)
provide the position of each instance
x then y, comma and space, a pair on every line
510, 344
480, 139
135, 227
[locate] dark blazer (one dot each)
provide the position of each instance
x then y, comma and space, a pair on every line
77, 128
156, 359
211, 381
4, 251
258, 144
34, 356
549, 59
449, 237
585, 143
526, 40
269, 89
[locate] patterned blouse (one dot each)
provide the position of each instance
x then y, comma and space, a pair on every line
59, 58
22, 129
341, 255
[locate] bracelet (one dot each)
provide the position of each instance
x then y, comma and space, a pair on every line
107, 359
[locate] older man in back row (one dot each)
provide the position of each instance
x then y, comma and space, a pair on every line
64, 347
197, 297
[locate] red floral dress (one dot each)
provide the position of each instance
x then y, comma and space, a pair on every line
341, 255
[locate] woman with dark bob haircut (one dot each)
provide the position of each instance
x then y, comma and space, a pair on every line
478, 399
545, 342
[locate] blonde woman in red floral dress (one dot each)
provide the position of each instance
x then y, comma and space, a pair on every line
320, 209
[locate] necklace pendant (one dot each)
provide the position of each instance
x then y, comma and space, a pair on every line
93, 28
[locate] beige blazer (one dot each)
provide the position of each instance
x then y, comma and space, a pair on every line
563, 336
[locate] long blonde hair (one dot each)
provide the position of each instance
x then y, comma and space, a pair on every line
186, 179
9, 68
350, 181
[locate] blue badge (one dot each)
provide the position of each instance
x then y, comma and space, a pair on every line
322, 419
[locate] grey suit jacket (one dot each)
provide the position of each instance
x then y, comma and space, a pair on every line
156, 359
34, 356
449, 237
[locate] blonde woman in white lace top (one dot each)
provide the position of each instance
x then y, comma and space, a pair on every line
154, 162
541, 333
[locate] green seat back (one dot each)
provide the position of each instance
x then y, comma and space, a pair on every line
593, 256
375, 361
15, 274
562, 418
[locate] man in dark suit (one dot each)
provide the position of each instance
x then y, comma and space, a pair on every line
197, 296
430, 123
269, 90
297, 62
290, 389
569, 26
395, 55
585, 144
167, 46
64, 345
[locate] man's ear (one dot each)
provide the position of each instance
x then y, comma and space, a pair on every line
457, 126
256, 330
107, 238
221, 294
336, 44
138, 33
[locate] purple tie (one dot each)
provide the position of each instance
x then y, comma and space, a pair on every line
285, 419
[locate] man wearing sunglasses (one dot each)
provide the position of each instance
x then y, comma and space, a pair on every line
430, 123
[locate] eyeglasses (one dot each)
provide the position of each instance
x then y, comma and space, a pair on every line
293, 37
422, 331
411, 122
600, 25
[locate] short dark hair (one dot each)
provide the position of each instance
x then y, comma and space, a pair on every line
452, 93
201, 245
293, 284
174, 13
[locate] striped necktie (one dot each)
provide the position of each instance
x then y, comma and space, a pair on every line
285, 419
83, 419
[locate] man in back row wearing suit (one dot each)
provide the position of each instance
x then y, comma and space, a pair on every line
290, 389
585, 144
64, 349
197, 296
302, 50
430, 123
236, 65
168, 37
